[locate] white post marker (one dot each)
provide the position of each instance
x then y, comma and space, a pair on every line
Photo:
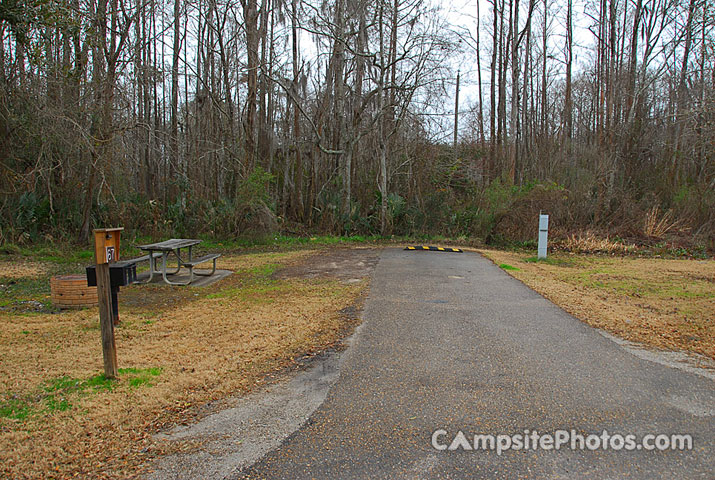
543, 235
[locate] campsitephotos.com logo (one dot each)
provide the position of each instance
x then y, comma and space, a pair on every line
559, 439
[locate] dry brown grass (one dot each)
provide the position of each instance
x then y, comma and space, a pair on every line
222, 342
588, 242
657, 225
666, 304
22, 269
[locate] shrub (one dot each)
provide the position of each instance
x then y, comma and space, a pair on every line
516, 218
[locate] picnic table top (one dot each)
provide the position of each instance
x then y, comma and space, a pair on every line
172, 244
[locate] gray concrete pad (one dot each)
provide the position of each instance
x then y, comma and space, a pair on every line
249, 428
183, 276
449, 341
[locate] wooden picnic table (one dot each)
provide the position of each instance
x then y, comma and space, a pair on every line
175, 245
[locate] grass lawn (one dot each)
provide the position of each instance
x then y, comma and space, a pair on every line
178, 348
663, 303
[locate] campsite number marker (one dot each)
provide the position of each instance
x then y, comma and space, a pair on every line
106, 249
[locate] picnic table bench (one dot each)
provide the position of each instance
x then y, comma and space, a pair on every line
153, 257
175, 245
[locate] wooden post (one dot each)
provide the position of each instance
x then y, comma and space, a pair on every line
456, 120
106, 248
106, 321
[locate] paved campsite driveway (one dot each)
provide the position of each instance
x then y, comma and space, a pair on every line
450, 341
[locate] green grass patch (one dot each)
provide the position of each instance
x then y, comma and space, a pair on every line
52, 253
150, 318
58, 395
284, 241
619, 278
254, 284
137, 377
57, 404
15, 408
696, 290
62, 384
560, 262
100, 382
261, 271
506, 266
13, 289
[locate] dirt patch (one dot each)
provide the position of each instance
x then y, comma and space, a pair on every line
350, 265
666, 304
179, 349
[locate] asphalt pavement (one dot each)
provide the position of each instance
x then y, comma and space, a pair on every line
451, 343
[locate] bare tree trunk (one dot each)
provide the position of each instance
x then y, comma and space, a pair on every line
20, 60
229, 139
382, 184
517, 37
271, 96
701, 165
503, 61
250, 17
175, 85
611, 67
601, 78
3, 75
102, 126
151, 187
393, 59
492, 92
456, 119
521, 161
263, 134
633, 58
682, 95
568, 106
359, 74
514, 114
544, 83
341, 124
479, 82
97, 129
298, 164
292, 158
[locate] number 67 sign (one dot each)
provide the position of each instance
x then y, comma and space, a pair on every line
106, 244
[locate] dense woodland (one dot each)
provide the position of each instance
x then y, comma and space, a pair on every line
224, 117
